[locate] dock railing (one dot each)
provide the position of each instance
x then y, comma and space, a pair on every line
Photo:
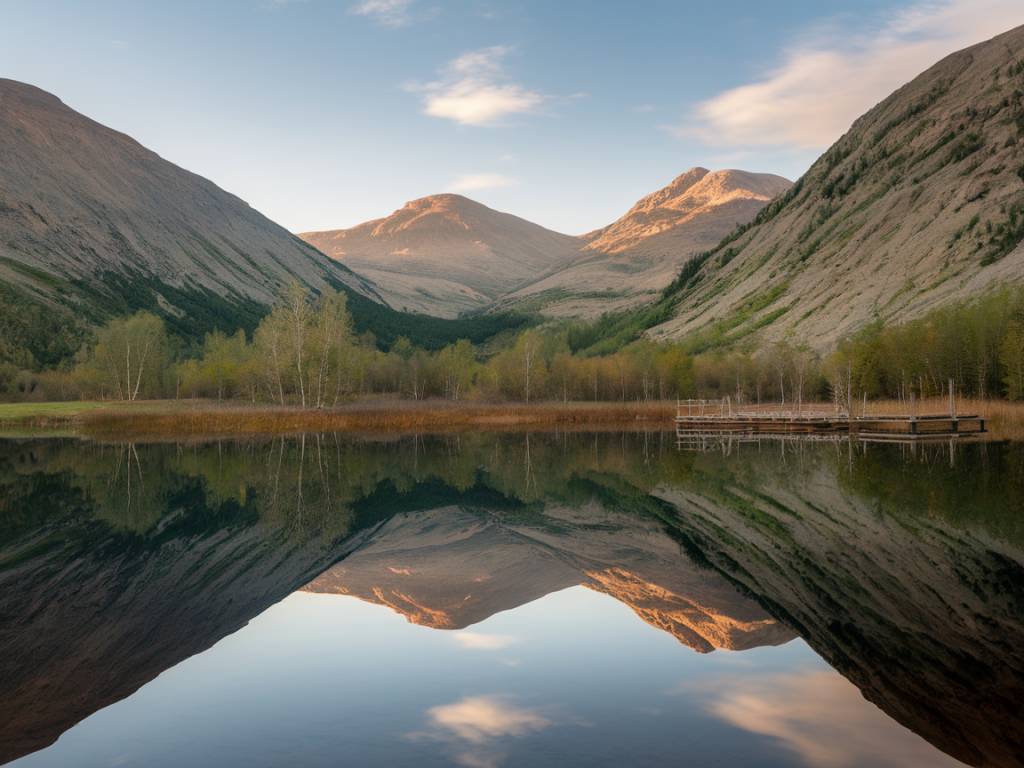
725, 408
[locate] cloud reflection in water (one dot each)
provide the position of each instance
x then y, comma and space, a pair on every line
822, 717
475, 725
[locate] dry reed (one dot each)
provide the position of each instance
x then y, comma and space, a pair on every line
378, 416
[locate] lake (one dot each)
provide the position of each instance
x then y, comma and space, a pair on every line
484, 600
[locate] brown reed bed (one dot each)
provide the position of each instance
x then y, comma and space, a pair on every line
394, 416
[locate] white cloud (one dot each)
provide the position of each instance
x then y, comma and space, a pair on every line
832, 77
389, 13
475, 641
472, 182
474, 90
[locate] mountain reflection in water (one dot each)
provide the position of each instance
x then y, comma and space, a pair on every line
906, 575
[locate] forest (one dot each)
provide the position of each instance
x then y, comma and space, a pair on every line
308, 352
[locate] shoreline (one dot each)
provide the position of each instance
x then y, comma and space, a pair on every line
163, 419
168, 419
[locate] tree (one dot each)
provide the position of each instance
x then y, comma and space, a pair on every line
128, 354
271, 340
221, 364
457, 365
332, 347
675, 372
1011, 358
295, 304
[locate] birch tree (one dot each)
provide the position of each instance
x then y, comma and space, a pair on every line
129, 353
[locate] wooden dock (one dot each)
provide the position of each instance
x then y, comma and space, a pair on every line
719, 416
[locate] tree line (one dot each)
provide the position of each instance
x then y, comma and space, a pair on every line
305, 352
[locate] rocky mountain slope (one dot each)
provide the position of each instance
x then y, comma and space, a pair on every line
449, 568
446, 254
630, 261
919, 204
92, 222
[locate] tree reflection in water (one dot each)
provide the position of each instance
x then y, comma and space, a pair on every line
904, 573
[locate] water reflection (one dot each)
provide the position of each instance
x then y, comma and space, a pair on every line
820, 718
120, 562
475, 725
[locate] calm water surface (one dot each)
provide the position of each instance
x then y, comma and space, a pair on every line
506, 600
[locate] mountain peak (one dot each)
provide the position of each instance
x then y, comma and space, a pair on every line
27, 94
691, 194
444, 254
444, 200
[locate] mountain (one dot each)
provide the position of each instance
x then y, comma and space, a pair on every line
94, 223
630, 261
921, 203
449, 568
446, 254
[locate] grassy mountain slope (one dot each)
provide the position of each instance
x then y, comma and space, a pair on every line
919, 204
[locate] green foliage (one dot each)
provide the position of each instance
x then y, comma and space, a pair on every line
190, 312
128, 360
1006, 235
966, 147
1011, 358
34, 334
433, 333
741, 322
611, 332
971, 343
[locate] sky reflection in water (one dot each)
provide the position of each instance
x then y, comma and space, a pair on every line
510, 600
572, 679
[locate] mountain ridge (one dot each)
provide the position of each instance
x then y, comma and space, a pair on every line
94, 225
630, 261
449, 568
919, 204
446, 254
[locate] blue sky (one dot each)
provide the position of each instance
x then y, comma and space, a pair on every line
326, 113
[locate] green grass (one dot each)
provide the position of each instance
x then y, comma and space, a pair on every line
24, 411
28, 413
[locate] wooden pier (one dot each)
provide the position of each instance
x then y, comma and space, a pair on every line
720, 417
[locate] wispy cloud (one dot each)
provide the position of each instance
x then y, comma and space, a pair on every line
474, 89
388, 13
476, 641
472, 182
831, 77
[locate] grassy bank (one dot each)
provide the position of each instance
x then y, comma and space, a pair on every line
168, 418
